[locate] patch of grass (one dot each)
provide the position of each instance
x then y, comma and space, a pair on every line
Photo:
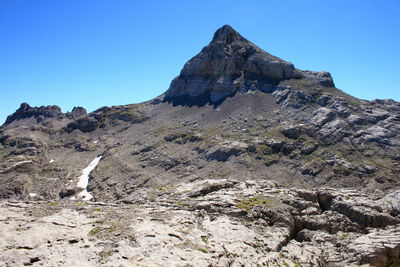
251, 202
202, 250
44, 172
95, 231
21, 229
53, 204
92, 147
167, 188
224, 174
181, 203
80, 204
204, 239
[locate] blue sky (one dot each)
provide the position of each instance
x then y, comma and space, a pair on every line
94, 53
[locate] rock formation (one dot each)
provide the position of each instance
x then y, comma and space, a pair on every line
245, 160
207, 223
230, 63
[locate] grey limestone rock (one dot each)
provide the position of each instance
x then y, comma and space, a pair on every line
322, 116
230, 63
26, 111
76, 113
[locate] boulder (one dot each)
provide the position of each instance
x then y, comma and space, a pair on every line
85, 124
322, 116
226, 150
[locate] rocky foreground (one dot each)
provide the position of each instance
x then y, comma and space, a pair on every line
207, 223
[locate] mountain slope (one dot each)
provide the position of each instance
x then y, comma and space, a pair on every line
234, 112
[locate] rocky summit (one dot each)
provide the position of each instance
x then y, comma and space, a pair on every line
244, 161
231, 64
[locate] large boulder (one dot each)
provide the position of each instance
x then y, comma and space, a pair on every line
322, 116
84, 124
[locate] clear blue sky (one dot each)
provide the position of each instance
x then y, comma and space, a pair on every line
93, 53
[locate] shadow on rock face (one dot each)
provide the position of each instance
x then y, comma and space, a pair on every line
198, 101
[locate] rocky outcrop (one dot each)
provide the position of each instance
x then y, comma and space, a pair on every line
226, 150
205, 223
229, 64
39, 113
323, 78
76, 113
85, 124
104, 116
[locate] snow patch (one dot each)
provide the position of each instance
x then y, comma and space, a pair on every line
95, 142
51, 161
84, 179
32, 194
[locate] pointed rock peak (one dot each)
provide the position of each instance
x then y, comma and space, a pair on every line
24, 106
231, 64
226, 34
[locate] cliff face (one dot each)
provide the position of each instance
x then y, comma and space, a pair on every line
231, 63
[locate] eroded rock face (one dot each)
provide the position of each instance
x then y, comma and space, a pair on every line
76, 113
26, 111
219, 222
230, 63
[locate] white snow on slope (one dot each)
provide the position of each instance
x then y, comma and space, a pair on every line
84, 179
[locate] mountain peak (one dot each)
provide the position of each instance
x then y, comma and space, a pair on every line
230, 63
226, 34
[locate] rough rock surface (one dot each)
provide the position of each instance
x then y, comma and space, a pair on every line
26, 111
230, 63
204, 223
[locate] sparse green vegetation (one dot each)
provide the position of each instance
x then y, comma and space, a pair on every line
21, 229
159, 131
251, 202
202, 250
204, 239
79, 204
344, 235
167, 188
223, 174
44, 172
95, 231
180, 203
